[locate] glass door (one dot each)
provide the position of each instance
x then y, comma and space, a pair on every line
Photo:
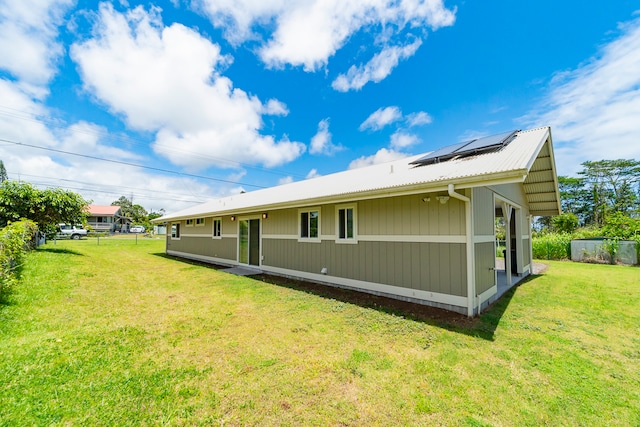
249, 242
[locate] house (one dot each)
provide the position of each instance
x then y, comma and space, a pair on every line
420, 229
107, 218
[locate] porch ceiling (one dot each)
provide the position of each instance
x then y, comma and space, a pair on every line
541, 186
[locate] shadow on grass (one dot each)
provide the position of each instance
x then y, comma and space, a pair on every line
483, 326
59, 251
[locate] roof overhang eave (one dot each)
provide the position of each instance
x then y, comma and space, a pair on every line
404, 190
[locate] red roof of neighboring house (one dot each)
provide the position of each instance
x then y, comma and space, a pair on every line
97, 210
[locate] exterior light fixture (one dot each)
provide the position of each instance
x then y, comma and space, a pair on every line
233, 218
265, 215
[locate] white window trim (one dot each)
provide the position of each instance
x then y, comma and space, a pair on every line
186, 222
213, 228
354, 239
202, 223
171, 231
309, 239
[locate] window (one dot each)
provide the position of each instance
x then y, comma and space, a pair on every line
217, 228
199, 221
175, 231
346, 224
189, 222
309, 224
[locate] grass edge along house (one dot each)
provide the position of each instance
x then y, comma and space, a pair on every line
420, 229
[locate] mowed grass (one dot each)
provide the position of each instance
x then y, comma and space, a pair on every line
119, 334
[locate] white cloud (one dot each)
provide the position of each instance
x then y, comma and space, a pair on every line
308, 32
313, 173
285, 180
381, 118
419, 119
383, 155
27, 122
166, 80
400, 140
275, 108
321, 141
597, 105
28, 31
377, 69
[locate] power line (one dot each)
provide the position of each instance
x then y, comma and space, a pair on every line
115, 187
33, 118
131, 164
48, 185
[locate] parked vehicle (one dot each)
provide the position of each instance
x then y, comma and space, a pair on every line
137, 229
74, 232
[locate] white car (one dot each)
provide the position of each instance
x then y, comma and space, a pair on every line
74, 232
137, 229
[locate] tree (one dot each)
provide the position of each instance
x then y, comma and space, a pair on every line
3, 172
137, 213
153, 215
565, 223
611, 183
575, 198
45, 207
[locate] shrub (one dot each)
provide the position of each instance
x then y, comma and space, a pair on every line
15, 240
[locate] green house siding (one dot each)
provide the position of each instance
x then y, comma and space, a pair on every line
483, 212
205, 246
485, 256
435, 267
410, 215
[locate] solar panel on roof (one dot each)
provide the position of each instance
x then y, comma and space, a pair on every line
440, 153
474, 146
487, 142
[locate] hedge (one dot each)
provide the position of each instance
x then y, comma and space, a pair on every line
16, 239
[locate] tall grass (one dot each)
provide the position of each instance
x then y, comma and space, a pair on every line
555, 246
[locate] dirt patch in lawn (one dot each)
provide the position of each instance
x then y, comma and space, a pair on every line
410, 310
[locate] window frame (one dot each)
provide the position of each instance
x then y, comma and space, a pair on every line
213, 228
189, 222
308, 211
175, 234
200, 222
354, 222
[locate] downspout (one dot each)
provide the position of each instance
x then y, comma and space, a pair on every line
471, 291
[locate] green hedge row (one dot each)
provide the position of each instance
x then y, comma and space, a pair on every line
16, 239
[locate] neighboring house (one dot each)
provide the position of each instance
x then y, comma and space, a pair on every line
420, 229
108, 218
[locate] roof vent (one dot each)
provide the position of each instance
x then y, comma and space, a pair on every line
469, 148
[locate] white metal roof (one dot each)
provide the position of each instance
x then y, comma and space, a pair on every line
511, 164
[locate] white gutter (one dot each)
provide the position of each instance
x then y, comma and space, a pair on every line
471, 288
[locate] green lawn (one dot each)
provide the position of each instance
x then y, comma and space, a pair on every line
119, 334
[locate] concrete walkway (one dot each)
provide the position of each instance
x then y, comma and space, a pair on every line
243, 271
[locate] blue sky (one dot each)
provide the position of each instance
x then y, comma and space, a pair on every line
178, 102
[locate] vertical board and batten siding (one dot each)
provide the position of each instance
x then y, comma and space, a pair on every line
409, 215
485, 257
483, 212
435, 267
380, 255
283, 222
198, 240
526, 253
